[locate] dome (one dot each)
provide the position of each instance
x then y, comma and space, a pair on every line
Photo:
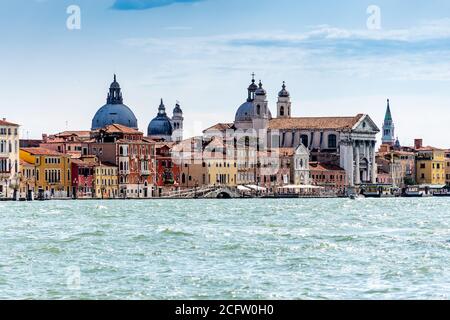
260, 91
114, 114
284, 93
161, 125
245, 112
114, 111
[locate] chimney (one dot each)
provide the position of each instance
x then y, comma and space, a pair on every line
4, 119
44, 137
418, 143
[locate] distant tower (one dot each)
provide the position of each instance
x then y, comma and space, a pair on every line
284, 103
388, 127
261, 109
177, 122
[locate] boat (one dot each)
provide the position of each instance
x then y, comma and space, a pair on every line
442, 193
356, 196
412, 192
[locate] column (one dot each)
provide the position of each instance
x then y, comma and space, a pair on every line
358, 173
374, 163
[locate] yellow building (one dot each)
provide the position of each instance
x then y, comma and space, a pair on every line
430, 166
219, 160
27, 180
447, 167
212, 163
106, 181
52, 172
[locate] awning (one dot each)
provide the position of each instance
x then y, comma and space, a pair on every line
253, 187
300, 187
244, 189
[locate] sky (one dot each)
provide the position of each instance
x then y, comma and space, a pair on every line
336, 57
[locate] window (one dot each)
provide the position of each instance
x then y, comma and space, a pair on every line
258, 109
304, 140
332, 141
281, 111
422, 166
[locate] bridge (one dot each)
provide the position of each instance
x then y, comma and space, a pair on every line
211, 192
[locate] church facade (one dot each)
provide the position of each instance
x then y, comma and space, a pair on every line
347, 142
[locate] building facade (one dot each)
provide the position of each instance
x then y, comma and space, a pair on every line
347, 142
9, 159
83, 185
430, 165
167, 171
301, 167
133, 154
53, 174
447, 168
106, 183
330, 177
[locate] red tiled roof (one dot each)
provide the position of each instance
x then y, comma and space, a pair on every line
429, 148
75, 133
6, 123
325, 123
319, 166
114, 128
220, 127
42, 152
25, 163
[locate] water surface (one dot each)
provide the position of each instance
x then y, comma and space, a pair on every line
226, 249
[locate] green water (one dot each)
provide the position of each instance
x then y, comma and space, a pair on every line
226, 249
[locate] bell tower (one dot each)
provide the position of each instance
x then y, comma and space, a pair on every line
284, 103
388, 127
177, 122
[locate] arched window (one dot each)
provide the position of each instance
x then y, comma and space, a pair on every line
258, 109
121, 150
282, 111
304, 140
183, 178
332, 141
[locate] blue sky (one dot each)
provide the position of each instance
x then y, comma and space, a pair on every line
203, 52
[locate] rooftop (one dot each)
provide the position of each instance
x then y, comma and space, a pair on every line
42, 152
325, 123
324, 167
3, 122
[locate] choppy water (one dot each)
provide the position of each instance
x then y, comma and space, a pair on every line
232, 249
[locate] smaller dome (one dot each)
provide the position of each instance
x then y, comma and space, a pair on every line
161, 125
260, 91
284, 93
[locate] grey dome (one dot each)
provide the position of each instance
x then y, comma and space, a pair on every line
284, 93
260, 91
114, 111
245, 112
114, 114
161, 125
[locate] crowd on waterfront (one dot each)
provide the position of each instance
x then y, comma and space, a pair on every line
256, 155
